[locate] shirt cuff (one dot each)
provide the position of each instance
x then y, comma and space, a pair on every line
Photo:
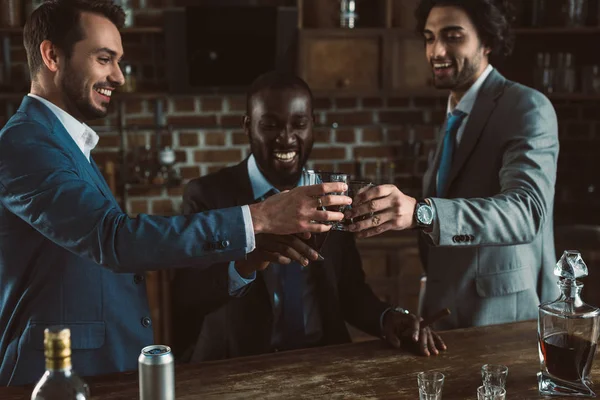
249, 229
434, 234
237, 283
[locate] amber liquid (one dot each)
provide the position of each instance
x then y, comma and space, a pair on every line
568, 357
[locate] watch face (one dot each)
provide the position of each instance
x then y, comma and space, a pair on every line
425, 214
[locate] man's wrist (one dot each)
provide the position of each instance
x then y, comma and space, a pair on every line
424, 215
258, 222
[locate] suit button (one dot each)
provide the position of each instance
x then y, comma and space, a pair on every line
455, 239
224, 244
471, 238
138, 278
146, 322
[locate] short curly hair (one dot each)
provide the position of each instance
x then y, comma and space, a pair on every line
492, 19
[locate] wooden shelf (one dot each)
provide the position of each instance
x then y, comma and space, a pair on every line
124, 31
558, 30
118, 95
409, 92
573, 96
408, 32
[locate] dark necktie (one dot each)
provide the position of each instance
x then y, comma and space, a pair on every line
291, 320
453, 123
292, 306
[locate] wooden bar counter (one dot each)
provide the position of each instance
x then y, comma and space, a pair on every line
365, 370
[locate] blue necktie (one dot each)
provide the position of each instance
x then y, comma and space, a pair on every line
452, 125
292, 308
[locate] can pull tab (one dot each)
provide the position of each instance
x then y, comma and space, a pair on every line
571, 266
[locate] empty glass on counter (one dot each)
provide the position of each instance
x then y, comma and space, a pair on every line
491, 393
568, 332
494, 375
430, 385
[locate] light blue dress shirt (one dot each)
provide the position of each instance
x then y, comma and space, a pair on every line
312, 317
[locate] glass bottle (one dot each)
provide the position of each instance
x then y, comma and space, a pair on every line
59, 381
348, 15
567, 334
128, 9
548, 74
538, 73
569, 75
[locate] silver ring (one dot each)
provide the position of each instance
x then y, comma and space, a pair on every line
375, 220
319, 202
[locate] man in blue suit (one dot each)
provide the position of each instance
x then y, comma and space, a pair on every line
68, 254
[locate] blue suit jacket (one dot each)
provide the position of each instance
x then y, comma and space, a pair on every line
69, 255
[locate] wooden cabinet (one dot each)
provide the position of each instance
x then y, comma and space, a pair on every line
393, 268
334, 60
409, 67
383, 56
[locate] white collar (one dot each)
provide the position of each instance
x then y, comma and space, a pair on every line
468, 100
84, 136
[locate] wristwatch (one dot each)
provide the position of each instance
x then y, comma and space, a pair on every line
424, 214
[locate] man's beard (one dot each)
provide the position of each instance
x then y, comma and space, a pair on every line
75, 95
463, 79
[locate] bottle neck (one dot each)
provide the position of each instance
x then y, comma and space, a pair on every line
571, 291
58, 363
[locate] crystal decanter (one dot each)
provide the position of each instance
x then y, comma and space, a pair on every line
567, 334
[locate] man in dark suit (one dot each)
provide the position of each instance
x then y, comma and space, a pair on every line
68, 254
269, 306
487, 213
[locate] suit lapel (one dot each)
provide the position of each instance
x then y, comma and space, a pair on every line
46, 117
485, 103
430, 175
103, 186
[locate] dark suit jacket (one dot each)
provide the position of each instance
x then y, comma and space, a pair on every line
70, 256
221, 326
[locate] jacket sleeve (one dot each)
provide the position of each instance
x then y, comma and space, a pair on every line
360, 306
41, 184
200, 290
527, 178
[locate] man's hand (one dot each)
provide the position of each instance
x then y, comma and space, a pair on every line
281, 249
299, 210
404, 330
383, 208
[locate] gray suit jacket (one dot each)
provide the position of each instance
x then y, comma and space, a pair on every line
495, 257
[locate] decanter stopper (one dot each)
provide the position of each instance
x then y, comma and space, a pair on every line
571, 266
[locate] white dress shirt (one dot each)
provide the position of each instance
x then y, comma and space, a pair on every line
84, 136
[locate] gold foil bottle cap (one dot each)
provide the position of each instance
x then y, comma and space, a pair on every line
57, 346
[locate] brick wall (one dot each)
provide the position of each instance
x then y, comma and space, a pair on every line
206, 132
206, 135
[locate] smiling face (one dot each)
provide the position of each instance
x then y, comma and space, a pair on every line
87, 79
453, 48
280, 129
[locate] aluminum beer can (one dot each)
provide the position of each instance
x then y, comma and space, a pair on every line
156, 371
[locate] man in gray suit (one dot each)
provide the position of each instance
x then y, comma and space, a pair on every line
486, 216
